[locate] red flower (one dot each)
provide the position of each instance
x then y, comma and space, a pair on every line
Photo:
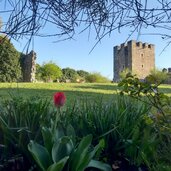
59, 99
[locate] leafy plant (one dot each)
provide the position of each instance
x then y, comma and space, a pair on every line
132, 86
123, 73
160, 116
120, 122
20, 121
61, 153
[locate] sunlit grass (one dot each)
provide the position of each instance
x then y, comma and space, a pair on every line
73, 91
166, 88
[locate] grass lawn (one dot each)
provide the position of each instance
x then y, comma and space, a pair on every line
46, 90
72, 90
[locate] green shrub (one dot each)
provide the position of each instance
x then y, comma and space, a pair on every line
96, 78
157, 77
123, 73
160, 116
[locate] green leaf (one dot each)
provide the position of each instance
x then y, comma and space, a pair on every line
59, 165
40, 154
99, 165
71, 133
62, 148
88, 157
80, 153
47, 138
58, 133
98, 147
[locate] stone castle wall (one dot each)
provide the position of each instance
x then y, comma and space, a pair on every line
29, 67
168, 71
138, 57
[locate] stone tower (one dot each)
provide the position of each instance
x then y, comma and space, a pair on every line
29, 67
138, 57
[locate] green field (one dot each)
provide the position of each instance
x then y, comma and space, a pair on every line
73, 91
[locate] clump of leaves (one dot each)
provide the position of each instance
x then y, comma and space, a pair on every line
160, 114
20, 121
121, 122
133, 87
61, 152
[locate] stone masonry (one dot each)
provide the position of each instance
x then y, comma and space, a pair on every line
138, 57
29, 67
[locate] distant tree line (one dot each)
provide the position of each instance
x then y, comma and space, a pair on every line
50, 72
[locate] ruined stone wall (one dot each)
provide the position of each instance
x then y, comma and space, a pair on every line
136, 56
29, 67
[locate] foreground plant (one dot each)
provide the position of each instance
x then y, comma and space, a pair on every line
159, 118
59, 99
121, 123
20, 121
135, 88
61, 153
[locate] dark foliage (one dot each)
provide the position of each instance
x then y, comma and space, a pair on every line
69, 74
10, 70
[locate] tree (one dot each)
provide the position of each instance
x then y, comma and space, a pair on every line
27, 18
82, 73
10, 70
157, 77
69, 74
51, 72
39, 72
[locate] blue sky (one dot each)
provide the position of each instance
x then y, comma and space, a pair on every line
75, 53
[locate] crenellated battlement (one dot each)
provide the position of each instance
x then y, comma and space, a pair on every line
133, 43
138, 57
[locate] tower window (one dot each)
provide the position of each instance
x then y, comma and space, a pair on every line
142, 66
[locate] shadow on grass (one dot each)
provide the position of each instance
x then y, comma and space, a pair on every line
163, 88
71, 95
74, 93
100, 87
